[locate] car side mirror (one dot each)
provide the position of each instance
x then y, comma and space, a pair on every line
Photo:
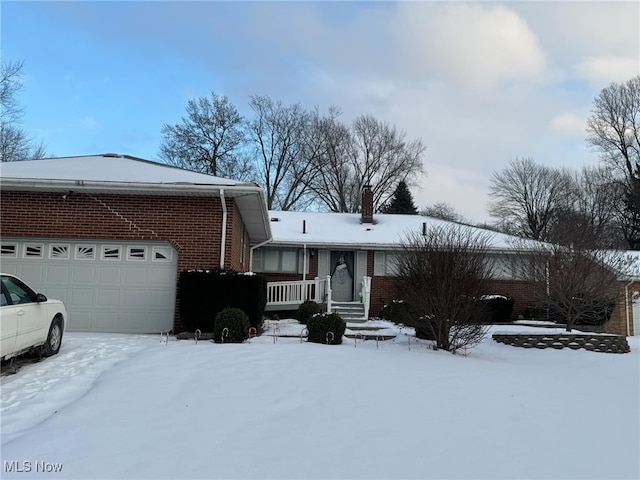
40, 298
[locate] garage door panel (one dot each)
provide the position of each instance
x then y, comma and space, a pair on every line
81, 321
108, 297
83, 274
58, 294
81, 297
34, 272
104, 288
162, 277
110, 275
58, 273
135, 276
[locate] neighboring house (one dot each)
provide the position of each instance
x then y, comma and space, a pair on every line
356, 255
107, 234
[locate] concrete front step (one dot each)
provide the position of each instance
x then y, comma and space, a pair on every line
349, 311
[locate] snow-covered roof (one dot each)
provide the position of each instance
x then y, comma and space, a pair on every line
317, 229
108, 167
123, 174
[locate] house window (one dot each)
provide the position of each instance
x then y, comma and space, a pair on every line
507, 267
33, 250
9, 250
162, 254
278, 260
137, 253
58, 251
111, 252
85, 252
385, 263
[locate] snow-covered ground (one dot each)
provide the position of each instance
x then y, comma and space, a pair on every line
133, 407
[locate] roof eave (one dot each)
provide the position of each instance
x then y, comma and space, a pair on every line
255, 219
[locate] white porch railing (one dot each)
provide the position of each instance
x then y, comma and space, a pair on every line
293, 293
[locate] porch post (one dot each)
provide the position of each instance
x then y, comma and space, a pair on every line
328, 293
366, 295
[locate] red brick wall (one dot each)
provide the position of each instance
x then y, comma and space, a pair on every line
383, 290
191, 224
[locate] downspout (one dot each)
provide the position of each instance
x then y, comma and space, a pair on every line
626, 304
304, 262
224, 228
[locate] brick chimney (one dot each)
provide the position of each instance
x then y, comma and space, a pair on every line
367, 205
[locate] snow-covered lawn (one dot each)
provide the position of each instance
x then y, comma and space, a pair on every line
131, 407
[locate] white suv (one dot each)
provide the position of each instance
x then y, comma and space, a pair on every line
28, 320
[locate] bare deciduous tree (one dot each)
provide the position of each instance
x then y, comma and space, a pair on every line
575, 283
15, 143
614, 130
210, 139
525, 197
443, 274
334, 184
614, 125
590, 208
285, 151
381, 156
443, 211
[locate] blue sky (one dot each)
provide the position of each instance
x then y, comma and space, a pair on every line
481, 83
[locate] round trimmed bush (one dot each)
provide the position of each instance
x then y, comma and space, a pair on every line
319, 325
306, 310
235, 321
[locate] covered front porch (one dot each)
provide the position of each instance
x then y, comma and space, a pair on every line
288, 295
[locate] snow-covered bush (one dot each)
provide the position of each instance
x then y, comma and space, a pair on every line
319, 327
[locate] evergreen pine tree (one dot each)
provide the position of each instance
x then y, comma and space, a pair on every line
402, 201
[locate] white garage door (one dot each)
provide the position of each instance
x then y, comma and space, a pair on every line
107, 286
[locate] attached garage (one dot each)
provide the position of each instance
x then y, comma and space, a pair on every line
107, 286
108, 234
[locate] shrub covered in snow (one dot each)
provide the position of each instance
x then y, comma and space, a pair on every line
231, 326
306, 310
499, 308
319, 327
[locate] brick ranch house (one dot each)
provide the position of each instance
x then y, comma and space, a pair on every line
356, 254
107, 234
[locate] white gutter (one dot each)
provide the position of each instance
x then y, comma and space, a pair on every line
165, 188
224, 228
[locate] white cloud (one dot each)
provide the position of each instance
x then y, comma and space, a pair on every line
568, 124
473, 45
609, 69
89, 123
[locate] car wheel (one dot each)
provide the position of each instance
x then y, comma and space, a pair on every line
54, 339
